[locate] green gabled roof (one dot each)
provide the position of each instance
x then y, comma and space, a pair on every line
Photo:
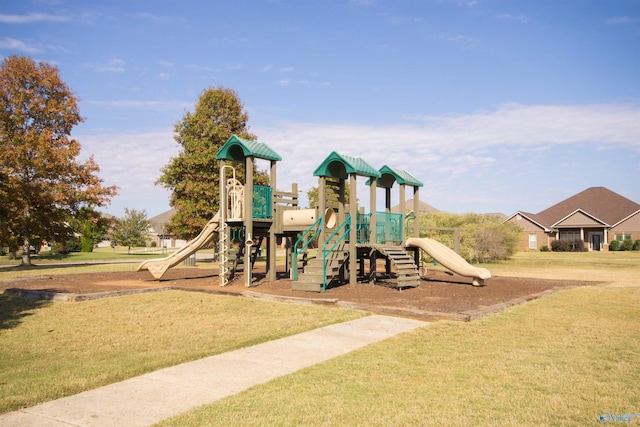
340, 166
238, 149
389, 175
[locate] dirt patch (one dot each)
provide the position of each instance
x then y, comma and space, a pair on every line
439, 295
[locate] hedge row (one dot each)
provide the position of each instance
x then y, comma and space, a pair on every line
568, 246
624, 245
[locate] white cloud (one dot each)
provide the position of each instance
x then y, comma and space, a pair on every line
14, 44
623, 20
163, 106
450, 146
33, 17
132, 162
464, 160
113, 66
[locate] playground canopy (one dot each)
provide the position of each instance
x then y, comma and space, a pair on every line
390, 175
237, 149
340, 166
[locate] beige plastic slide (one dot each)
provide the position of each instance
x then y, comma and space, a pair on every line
449, 259
158, 267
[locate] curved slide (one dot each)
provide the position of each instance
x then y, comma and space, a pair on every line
451, 260
158, 267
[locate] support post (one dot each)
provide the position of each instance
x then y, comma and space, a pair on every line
353, 236
373, 232
247, 217
403, 212
271, 241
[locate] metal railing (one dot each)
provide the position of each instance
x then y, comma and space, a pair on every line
346, 224
262, 202
303, 242
388, 227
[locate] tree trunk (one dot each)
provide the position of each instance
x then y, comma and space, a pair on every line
26, 250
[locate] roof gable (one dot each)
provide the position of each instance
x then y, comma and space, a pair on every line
529, 217
422, 206
597, 202
579, 218
238, 149
341, 166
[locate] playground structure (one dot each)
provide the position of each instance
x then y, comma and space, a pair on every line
346, 237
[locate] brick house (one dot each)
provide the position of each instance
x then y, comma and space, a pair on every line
596, 215
158, 233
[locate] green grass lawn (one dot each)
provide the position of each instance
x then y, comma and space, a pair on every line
49, 350
119, 253
560, 360
98, 261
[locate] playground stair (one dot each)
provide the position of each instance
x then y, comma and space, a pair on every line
407, 274
311, 278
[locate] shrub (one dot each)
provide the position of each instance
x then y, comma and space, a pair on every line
578, 246
614, 245
545, 248
636, 245
482, 237
627, 245
561, 246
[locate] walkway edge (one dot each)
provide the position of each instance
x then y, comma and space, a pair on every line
153, 397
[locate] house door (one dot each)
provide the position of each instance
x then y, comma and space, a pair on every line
595, 242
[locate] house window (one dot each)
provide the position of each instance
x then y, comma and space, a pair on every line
570, 236
533, 241
623, 237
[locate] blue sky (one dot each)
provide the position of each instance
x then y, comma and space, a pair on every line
496, 106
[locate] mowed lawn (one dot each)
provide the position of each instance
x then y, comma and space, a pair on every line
565, 359
50, 350
561, 360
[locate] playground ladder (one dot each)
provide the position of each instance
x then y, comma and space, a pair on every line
238, 264
224, 254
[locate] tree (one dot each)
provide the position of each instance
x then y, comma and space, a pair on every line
312, 195
193, 176
92, 226
482, 237
43, 183
131, 230
87, 237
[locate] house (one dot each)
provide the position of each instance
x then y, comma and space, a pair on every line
596, 215
425, 208
158, 233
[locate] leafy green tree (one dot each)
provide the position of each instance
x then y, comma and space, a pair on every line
131, 230
312, 195
92, 226
193, 176
87, 237
482, 237
43, 183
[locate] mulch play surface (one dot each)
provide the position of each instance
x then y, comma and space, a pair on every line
439, 296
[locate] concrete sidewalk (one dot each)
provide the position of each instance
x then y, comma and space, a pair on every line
153, 397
